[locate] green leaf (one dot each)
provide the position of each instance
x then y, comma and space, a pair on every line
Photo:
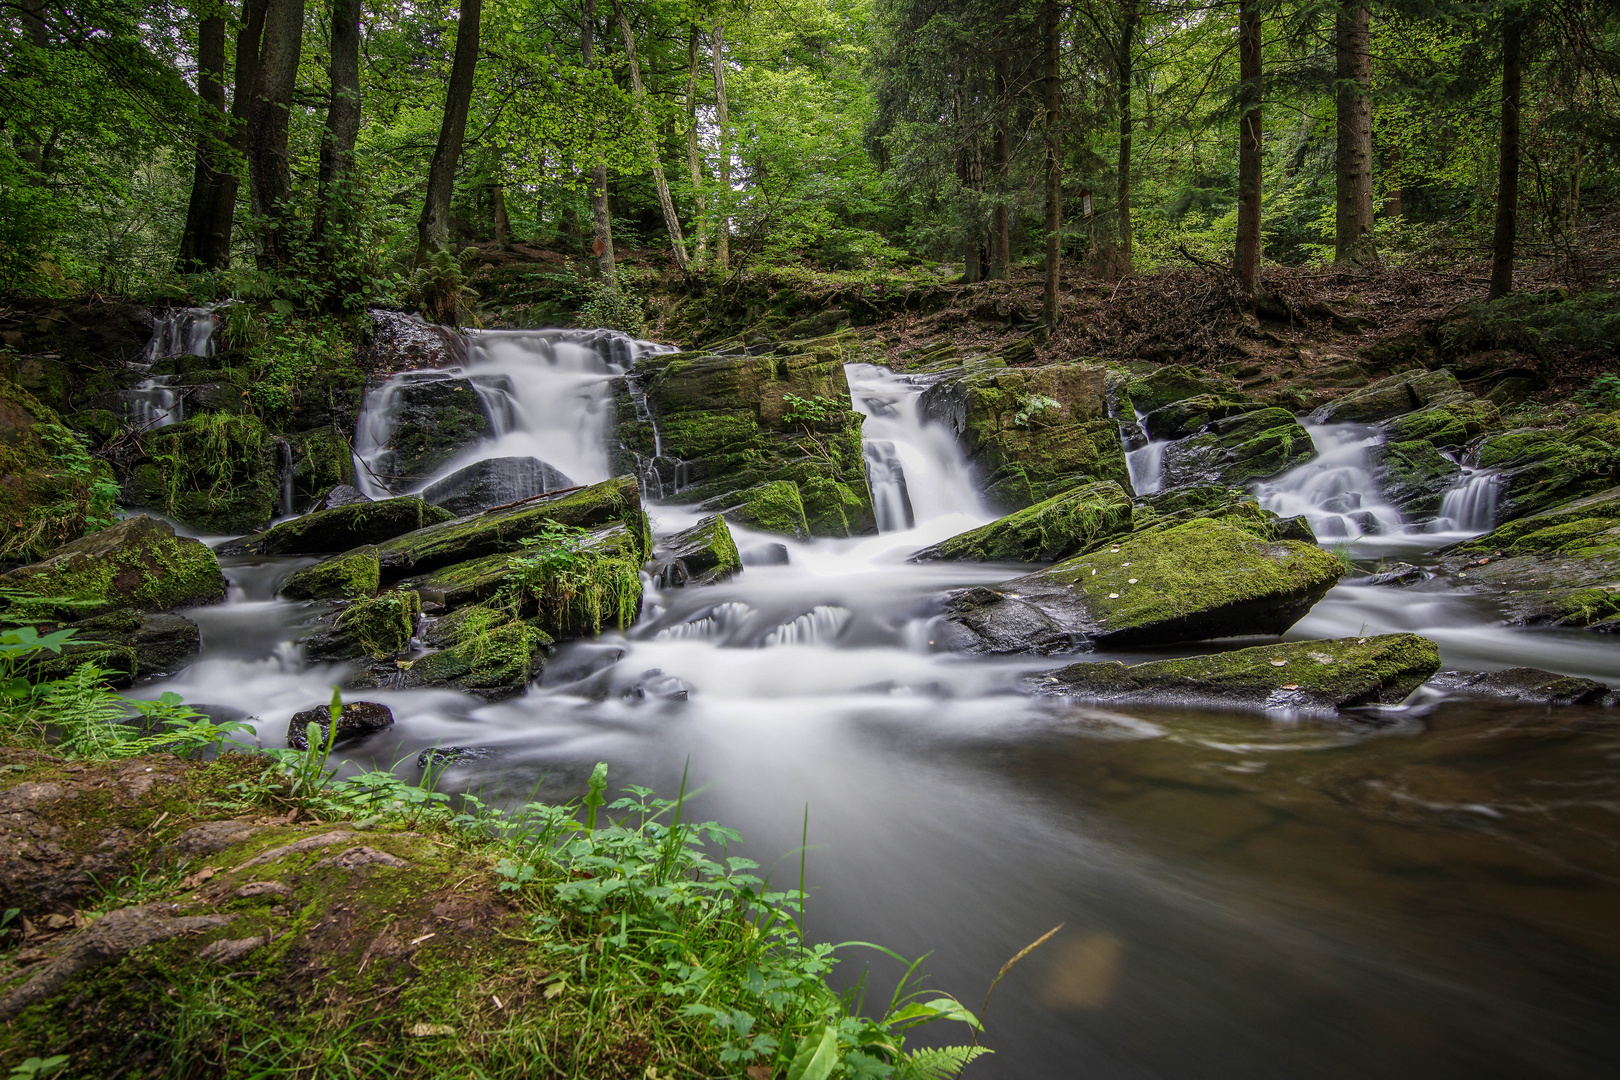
945, 1063
925, 1012
817, 1058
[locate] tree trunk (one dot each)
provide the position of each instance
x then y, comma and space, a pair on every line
30, 147
1054, 169
666, 202
1000, 241
334, 209
216, 254
433, 227
1126, 68
722, 111
503, 224
601, 218
694, 154
1353, 224
1247, 263
1507, 175
1392, 196
269, 170
205, 173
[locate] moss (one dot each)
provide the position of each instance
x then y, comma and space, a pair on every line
322, 458
138, 563
1414, 475
774, 508
1240, 450
1583, 529
1301, 674
704, 554
1394, 396
216, 473
1175, 383
1452, 423
1544, 467
1057, 528
481, 649
51, 491
695, 435
343, 527
351, 575
381, 626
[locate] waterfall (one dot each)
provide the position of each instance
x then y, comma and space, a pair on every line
819, 626
1335, 490
286, 477
1146, 465
153, 402
1470, 505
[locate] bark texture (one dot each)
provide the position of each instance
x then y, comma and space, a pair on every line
1353, 220
1125, 67
334, 211
694, 153
722, 111
216, 253
195, 250
433, 227
269, 170
1507, 169
666, 202
1250, 132
1054, 168
601, 218
1001, 228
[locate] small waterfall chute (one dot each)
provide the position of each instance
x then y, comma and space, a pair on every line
820, 625
1336, 490
1470, 505
153, 402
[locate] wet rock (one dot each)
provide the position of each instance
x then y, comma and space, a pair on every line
38, 480
1179, 419
1058, 528
1201, 579
1413, 476
1394, 396
377, 627
345, 577
1399, 574
401, 342
322, 461
439, 757
1558, 567
481, 650
341, 528
1175, 382
1540, 468
1449, 423
137, 564
1239, 450
436, 417
1528, 686
701, 555
765, 555
1032, 433
611, 684
126, 645
339, 495
775, 507
616, 501
357, 720
216, 473
1312, 675
494, 482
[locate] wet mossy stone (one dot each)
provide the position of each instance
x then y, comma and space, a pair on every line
703, 554
345, 577
1391, 397
436, 417
1559, 567
322, 459
1238, 450
1031, 433
477, 580
125, 645
1448, 424
1176, 382
356, 720
493, 482
1200, 579
138, 563
1307, 675
1058, 528
1413, 475
46, 477
479, 649
377, 627
773, 508
1525, 685
1541, 468
616, 501
342, 528
216, 473
1181, 418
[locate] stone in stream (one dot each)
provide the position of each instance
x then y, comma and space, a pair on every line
1238, 450
436, 417
124, 644
345, 577
1525, 685
1063, 525
378, 627
478, 649
1454, 421
138, 564
774, 507
341, 528
1399, 574
1314, 675
1180, 419
1391, 397
1539, 468
339, 495
1560, 567
701, 555
439, 757
1204, 578
494, 482
1413, 476
766, 555
357, 720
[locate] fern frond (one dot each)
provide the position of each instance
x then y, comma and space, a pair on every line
944, 1063
90, 715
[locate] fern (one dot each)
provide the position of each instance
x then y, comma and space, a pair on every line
944, 1063
91, 716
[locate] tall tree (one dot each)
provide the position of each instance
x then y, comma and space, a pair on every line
433, 227
694, 153
1353, 220
722, 111
601, 220
1124, 70
1001, 166
196, 252
1247, 260
269, 170
666, 203
334, 211
1054, 164
216, 252
1507, 168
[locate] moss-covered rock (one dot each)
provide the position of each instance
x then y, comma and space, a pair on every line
1260, 444
616, 501
731, 422
1452, 423
1313, 675
480, 649
1559, 567
125, 645
51, 490
1176, 382
1032, 433
1524, 685
703, 554
436, 416
1413, 476
321, 459
1394, 396
1540, 468
346, 577
774, 508
1200, 579
216, 473
139, 564
342, 527
378, 627
1188, 416
1058, 528
494, 482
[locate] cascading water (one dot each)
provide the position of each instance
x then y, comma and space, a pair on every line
153, 402
1470, 506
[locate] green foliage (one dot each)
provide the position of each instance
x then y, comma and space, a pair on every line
612, 304
1534, 322
439, 289
1604, 392
1031, 406
571, 580
811, 412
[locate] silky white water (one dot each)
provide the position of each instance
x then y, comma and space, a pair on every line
153, 402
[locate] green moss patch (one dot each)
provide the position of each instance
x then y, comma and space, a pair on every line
346, 577
343, 527
1062, 526
53, 490
774, 508
138, 563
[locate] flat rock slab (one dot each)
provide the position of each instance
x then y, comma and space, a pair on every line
342, 528
1310, 675
1526, 685
493, 482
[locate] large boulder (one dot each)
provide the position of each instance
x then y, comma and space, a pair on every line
616, 501
342, 527
1252, 446
493, 482
1394, 396
1177, 382
1032, 433
1413, 475
125, 645
482, 650
435, 417
346, 577
1199, 579
379, 628
775, 507
1058, 528
701, 555
1540, 468
217, 473
1310, 675
1453, 422
1559, 567
1188, 416
138, 563
50, 487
